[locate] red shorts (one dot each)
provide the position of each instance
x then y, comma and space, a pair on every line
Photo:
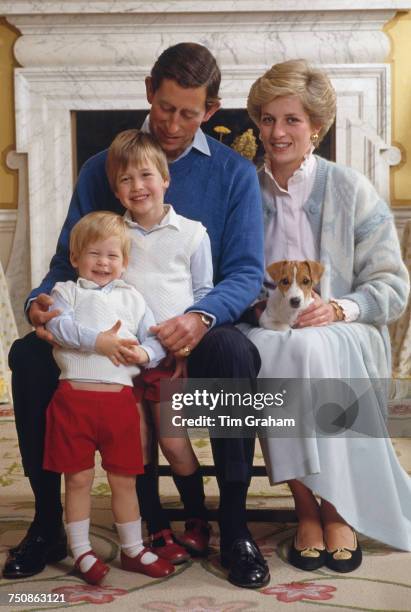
80, 422
147, 384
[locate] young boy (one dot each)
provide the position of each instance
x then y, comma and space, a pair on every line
94, 406
171, 265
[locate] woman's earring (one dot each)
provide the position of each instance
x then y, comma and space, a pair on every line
314, 139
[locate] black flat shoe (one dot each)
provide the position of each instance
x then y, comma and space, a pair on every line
308, 559
33, 553
344, 559
247, 566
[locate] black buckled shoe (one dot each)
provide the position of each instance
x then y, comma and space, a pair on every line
247, 566
33, 553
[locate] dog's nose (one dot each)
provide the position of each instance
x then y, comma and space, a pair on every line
295, 302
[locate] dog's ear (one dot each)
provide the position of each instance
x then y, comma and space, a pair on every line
275, 269
316, 270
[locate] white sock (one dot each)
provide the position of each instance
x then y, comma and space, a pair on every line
132, 542
78, 537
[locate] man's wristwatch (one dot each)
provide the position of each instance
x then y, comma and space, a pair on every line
208, 321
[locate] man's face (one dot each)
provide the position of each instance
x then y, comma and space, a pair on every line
176, 114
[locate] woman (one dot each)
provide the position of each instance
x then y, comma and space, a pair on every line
318, 210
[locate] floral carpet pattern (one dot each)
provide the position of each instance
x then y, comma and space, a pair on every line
382, 583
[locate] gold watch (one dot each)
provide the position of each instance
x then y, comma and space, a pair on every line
205, 319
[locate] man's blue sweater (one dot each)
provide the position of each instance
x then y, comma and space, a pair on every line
221, 191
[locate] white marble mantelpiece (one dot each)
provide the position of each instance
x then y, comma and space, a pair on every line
77, 55
240, 38
50, 7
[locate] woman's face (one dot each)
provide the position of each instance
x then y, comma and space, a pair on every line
285, 130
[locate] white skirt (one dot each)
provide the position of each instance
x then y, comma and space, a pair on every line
361, 476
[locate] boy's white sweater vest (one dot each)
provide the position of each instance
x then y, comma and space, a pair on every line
100, 311
159, 266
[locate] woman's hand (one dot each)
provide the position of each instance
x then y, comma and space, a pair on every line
317, 314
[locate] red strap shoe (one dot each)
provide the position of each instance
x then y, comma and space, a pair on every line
164, 545
97, 571
156, 569
196, 536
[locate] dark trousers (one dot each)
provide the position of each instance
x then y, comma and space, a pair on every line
34, 380
224, 353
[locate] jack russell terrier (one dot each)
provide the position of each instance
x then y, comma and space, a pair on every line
294, 281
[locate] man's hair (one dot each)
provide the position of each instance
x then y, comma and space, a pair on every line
189, 65
97, 226
296, 78
133, 147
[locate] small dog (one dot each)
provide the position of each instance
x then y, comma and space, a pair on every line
294, 281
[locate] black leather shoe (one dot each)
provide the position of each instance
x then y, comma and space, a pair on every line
345, 559
307, 559
247, 566
33, 553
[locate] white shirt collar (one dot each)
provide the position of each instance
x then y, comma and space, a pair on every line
170, 218
304, 172
199, 141
84, 283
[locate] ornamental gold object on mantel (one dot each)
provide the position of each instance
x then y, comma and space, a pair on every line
221, 131
246, 144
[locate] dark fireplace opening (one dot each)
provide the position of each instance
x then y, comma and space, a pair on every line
95, 130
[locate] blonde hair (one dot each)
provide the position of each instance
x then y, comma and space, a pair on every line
97, 226
134, 147
296, 78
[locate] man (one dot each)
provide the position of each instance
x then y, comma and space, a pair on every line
209, 183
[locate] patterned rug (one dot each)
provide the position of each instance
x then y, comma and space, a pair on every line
382, 583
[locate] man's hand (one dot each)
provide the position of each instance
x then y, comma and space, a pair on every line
180, 332
109, 344
317, 314
39, 314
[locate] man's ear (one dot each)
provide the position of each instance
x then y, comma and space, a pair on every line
210, 111
149, 90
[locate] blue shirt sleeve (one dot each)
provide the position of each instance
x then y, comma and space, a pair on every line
148, 341
68, 332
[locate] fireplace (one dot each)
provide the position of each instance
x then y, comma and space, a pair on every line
93, 55
94, 131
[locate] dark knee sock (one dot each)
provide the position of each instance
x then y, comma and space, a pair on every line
48, 517
149, 500
233, 518
191, 491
